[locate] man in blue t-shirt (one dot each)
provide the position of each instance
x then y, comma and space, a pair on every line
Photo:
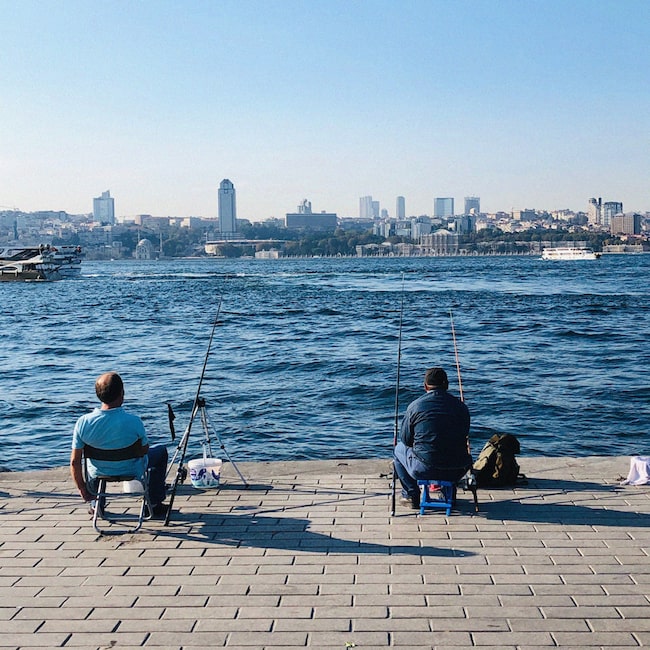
432, 439
111, 427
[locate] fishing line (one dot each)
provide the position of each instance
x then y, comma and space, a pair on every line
453, 335
396, 426
181, 472
470, 480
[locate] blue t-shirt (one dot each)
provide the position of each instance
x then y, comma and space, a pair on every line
110, 429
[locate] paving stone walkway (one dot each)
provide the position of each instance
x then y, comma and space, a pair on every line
308, 556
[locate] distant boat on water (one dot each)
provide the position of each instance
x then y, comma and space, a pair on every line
44, 262
569, 253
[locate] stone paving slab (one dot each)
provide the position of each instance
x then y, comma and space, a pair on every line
308, 556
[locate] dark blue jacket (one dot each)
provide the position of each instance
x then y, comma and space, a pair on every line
436, 425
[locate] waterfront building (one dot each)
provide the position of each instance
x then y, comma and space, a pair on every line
227, 209
440, 242
271, 254
443, 207
472, 205
104, 209
144, 250
400, 208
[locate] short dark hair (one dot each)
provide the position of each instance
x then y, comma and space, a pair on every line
109, 387
436, 377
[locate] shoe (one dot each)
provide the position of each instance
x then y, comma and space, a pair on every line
91, 509
410, 502
159, 511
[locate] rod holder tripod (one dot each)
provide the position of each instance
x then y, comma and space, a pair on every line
206, 442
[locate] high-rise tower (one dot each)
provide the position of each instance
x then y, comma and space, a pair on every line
595, 212
104, 208
443, 207
472, 203
365, 207
610, 210
400, 208
227, 208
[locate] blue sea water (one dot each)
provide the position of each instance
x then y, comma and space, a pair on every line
304, 359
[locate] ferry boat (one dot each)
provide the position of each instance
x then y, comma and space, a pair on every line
33, 263
569, 253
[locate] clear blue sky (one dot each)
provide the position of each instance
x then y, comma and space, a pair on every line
526, 103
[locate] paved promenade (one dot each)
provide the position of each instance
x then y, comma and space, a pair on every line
308, 556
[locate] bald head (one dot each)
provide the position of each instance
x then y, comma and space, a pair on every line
110, 389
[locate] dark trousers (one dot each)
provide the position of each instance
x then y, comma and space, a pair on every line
410, 469
157, 470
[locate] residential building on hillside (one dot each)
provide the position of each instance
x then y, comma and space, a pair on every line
626, 224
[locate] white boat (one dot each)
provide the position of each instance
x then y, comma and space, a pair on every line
569, 253
69, 260
28, 263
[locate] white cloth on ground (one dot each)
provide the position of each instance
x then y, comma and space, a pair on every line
639, 471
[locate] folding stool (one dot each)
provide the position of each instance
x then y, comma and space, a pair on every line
133, 452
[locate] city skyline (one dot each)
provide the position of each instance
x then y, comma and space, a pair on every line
527, 106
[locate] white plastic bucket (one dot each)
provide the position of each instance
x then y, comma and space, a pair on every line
132, 487
205, 472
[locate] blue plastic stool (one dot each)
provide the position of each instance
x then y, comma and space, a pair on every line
444, 497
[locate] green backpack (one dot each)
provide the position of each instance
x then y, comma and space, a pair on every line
496, 465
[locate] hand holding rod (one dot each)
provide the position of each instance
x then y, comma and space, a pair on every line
181, 472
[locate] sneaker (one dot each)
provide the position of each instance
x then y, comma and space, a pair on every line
91, 508
410, 502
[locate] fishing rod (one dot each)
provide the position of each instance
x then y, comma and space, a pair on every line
396, 426
453, 335
470, 483
181, 472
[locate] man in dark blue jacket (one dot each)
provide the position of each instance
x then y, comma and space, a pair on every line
433, 438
